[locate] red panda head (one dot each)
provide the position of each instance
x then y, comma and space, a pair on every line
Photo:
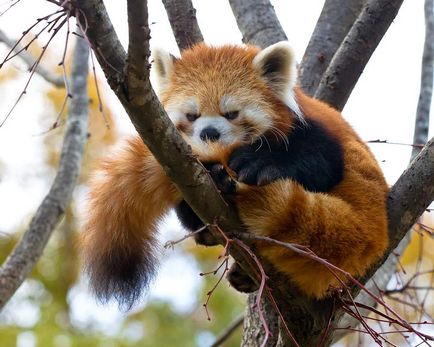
228, 95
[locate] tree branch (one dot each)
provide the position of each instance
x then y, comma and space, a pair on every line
137, 65
334, 22
30, 61
21, 261
426, 83
182, 18
106, 45
411, 195
257, 22
353, 54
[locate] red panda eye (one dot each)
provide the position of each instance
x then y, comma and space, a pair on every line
192, 116
231, 115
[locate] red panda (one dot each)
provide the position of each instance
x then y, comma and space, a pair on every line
301, 174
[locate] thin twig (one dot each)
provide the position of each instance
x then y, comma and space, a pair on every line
33, 69
30, 61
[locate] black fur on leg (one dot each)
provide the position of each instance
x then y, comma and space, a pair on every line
240, 280
192, 222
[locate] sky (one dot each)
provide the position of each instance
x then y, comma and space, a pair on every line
382, 106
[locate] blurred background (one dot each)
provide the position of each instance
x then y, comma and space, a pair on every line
54, 306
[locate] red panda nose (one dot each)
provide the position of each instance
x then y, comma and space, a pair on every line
210, 134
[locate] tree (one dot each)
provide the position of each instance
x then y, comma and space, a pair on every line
275, 315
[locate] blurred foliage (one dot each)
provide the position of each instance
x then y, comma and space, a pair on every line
41, 310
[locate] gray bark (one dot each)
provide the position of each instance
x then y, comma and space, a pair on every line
258, 22
347, 64
182, 18
334, 22
27, 252
426, 83
254, 335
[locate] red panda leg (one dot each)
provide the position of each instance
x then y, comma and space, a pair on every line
128, 196
352, 238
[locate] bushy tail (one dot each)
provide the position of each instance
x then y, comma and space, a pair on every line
129, 194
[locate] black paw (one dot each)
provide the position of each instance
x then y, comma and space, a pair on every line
191, 222
205, 238
221, 178
255, 165
240, 280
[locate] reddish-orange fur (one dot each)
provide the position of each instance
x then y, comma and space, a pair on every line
347, 225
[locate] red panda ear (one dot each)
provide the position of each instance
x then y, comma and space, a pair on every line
163, 63
276, 65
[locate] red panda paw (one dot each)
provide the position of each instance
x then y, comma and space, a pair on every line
205, 238
253, 166
221, 178
240, 280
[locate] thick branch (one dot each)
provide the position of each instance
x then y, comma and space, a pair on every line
182, 18
333, 24
21, 261
30, 61
426, 82
352, 56
107, 48
137, 68
257, 22
411, 195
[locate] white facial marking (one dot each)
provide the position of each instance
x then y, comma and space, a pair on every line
219, 123
178, 109
258, 117
229, 103
291, 101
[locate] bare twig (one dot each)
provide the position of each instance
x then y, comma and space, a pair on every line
56, 28
182, 18
333, 24
257, 22
416, 145
31, 61
25, 255
226, 334
426, 81
13, 3
353, 54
